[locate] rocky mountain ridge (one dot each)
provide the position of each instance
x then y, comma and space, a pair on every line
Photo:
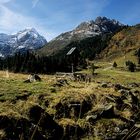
99, 27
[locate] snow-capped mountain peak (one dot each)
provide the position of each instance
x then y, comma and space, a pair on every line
28, 39
31, 31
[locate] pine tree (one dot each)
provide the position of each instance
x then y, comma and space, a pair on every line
131, 66
115, 65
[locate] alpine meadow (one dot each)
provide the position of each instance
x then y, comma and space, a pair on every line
69, 70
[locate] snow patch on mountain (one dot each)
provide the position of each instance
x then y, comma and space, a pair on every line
28, 39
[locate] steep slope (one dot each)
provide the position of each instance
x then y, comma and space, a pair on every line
28, 39
99, 27
123, 44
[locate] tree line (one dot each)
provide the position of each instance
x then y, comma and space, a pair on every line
30, 62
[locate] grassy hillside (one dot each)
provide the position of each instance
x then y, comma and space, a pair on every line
123, 45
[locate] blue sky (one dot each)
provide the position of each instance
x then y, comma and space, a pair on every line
52, 17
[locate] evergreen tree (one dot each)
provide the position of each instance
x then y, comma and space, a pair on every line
115, 65
131, 66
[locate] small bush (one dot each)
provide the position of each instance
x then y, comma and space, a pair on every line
115, 65
130, 65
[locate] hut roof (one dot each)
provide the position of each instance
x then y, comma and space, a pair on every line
71, 51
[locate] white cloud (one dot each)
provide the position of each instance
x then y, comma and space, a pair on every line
4, 1
34, 3
12, 22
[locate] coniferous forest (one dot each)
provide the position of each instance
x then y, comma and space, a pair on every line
30, 62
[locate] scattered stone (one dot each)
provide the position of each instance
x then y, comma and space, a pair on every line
124, 92
82, 77
116, 129
104, 85
91, 118
79, 76
135, 92
72, 108
27, 81
124, 132
36, 77
137, 125
32, 78
119, 87
108, 112
134, 85
61, 82
105, 112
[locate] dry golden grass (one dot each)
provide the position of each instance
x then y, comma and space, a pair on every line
12, 88
66, 121
123, 44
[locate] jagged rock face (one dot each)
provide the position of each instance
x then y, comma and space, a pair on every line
100, 26
28, 39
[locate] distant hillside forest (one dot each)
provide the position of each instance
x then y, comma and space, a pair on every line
32, 63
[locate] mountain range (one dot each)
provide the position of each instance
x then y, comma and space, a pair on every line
104, 39
28, 39
103, 36
100, 27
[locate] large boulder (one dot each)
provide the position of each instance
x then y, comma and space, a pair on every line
104, 112
47, 126
32, 78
